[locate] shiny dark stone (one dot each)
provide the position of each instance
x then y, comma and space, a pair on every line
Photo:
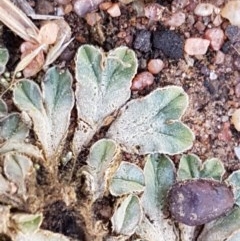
196, 202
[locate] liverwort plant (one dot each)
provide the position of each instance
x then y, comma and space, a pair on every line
150, 125
147, 199
103, 87
4, 56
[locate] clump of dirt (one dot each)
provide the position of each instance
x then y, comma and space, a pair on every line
103, 209
62, 219
4, 237
169, 42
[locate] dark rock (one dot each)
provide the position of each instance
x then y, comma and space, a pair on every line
4, 237
236, 63
209, 86
60, 218
226, 47
233, 33
67, 55
164, 2
44, 7
169, 42
142, 41
196, 202
205, 70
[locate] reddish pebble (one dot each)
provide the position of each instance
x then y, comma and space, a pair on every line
196, 46
114, 10
105, 5
155, 66
219, 57
142, 80
68, 8
92, 18
225, 133
216, 37
176, 20
199, 26
217, 21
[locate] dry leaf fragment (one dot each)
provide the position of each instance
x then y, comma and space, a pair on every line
48, 33
56, 33
34, 63
17, 21
62, 41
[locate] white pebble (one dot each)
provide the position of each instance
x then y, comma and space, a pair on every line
236, 119
155, 66
216, 37
237, 152
196, 46
213, 75
231, 11
204, 9
114, 10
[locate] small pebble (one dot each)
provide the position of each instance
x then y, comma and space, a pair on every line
236, 63
216, 38
105, 5
219, 57
60, 11
205, 70
153, 11
63, 2
68, 8
236, 119
142, 41
237, 152
196, 46
155, 66
114, 10
7, 75
213, 75
92, 18
237, 90
169, 42
217, 21
44, 7
180, 4
82, 7
142, 80
176, 20
231, 12
227, 46
225, 132
204, 9
233, 33
199, 26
